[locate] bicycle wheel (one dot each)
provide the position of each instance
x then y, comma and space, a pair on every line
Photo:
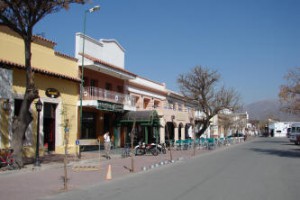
163, 150
10, 164
154, 151
139, 151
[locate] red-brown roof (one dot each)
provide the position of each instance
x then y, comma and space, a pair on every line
9, 64
97, 60
65, 56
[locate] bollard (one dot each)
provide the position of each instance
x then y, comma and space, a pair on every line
144, 168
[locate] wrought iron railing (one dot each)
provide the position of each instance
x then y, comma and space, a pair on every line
95, 93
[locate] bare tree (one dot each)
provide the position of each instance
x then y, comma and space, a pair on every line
200, 85
290, 92
21, 16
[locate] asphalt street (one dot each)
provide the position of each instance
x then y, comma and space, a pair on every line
264, 168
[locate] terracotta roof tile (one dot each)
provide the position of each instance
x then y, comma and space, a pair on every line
9, 64
65, 56
97, 60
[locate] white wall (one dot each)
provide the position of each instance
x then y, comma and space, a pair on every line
147, 83
109, 51
280, 128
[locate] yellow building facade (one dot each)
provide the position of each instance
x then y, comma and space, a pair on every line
57, 78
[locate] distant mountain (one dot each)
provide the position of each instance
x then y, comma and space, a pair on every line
268, 109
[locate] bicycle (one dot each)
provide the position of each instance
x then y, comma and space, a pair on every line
126, 151
7, 160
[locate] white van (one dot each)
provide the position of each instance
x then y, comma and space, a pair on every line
295, 133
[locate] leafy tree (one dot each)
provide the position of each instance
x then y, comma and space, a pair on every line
21, 16
290, 92
200, 85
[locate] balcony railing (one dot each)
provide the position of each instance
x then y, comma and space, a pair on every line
164, 106
95, 93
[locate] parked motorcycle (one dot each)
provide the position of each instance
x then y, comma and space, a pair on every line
143, 149
162, 148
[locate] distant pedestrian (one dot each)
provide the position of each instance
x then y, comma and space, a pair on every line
107, 145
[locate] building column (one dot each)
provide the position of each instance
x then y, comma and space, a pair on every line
182, 133
162, 134
176, 134
117, 136
146, 134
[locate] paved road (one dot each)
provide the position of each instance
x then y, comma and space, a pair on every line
265, 168
31, 183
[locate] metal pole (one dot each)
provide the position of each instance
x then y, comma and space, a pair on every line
95, 8
37, 154
82, 71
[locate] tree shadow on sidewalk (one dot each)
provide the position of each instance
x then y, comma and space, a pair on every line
295, 153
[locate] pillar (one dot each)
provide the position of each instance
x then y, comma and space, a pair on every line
162, 134
146, 135
182, 130
176, 133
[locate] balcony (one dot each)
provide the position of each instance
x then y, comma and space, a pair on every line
95, 93
166, 109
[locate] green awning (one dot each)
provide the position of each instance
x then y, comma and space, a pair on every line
145, 117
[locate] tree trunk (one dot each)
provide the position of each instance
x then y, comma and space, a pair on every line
22, 121
206, 124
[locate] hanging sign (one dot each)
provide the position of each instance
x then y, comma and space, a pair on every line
109, 106
52, 93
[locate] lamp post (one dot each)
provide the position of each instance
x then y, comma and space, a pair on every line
95, 8
6, 105
172, 118
38, 106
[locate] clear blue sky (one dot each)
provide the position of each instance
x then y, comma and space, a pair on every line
251, 43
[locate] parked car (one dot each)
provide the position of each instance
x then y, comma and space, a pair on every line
295, 133
237, 135
298, 139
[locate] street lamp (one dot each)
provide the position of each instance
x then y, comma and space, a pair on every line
95, 8
6, 105
38, 106
172, 118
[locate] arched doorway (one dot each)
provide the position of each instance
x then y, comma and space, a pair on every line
181, 134
169, 133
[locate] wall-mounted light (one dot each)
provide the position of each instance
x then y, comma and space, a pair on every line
173, 117
6, 105
39, 105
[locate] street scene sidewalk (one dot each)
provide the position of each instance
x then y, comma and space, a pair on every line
33, 182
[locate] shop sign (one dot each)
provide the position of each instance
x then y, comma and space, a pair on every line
52, 92
109, 106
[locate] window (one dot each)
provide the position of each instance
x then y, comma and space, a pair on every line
93, 89
156, 104
119, 89
146, 102
93, 83
108, 86
179, 107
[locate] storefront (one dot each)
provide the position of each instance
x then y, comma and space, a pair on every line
144, 125
56, 78
99, 117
